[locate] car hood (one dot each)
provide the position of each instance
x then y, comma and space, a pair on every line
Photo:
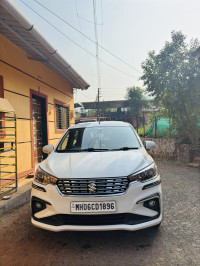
96, 164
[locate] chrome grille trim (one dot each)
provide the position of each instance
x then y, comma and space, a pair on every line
101, 186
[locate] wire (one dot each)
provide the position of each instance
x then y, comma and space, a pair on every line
114, 55
83, 39
102, 24
110, 92
97, 48
98, 24
117, 89
85, 95
74, 41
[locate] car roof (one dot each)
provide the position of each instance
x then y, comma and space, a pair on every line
102, 124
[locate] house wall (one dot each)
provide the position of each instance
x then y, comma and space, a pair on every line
21, 78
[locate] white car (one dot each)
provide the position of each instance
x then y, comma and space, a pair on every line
98, 177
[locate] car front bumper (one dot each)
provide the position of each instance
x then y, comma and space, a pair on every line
131, 212
97, 228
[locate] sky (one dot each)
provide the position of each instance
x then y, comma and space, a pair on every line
129, 29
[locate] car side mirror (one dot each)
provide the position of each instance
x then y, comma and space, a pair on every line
48, 148
149, 145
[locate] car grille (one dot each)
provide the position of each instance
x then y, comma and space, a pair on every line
100, 186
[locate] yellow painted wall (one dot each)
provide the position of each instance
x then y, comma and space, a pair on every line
16, 81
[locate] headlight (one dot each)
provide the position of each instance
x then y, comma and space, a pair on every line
43, 178
146, 174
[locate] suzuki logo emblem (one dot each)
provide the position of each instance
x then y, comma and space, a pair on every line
92, 187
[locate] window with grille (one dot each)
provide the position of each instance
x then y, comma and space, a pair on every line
2, 124
2, 131
2, 115
62, 117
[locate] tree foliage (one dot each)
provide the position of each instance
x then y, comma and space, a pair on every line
173, 77
136, 101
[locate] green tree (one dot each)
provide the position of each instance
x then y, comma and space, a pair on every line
173, 77
136, 101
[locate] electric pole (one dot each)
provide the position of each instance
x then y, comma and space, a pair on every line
98, 96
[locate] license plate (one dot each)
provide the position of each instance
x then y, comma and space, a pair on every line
93, 206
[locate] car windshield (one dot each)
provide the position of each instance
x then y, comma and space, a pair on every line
98, 139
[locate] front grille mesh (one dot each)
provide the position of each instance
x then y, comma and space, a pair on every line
100, 186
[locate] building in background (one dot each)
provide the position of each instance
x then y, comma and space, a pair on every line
111, 110
38, 83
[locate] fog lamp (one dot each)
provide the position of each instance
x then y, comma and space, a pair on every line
152, 203
38, 205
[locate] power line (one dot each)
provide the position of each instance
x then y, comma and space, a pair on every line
102, 11
97, 48
99, 24
97, 55
85, 95
114, 55
102, 23
116, 89
101, 39
110, 92
113, 96
74, 41
83, 39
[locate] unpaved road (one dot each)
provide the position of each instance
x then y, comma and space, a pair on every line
176, 243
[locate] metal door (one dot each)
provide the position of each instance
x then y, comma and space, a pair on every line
39, 127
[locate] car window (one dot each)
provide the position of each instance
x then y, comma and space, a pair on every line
72, 140
105, 138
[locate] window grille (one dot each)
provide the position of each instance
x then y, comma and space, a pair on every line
1, 124
62, 117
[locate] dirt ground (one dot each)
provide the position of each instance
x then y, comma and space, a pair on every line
177, 242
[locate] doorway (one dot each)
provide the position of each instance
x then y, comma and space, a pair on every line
39, 127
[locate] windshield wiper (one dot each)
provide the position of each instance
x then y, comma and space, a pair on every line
93, 149
67, 150
125, 149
